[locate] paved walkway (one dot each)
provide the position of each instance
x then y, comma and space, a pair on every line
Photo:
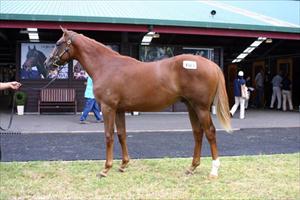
145, 122
91, 146
61, 137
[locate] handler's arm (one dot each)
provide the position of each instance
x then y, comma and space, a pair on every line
10, 85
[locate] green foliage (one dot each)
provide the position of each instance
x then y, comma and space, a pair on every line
20, 98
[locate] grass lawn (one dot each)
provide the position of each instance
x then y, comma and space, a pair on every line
242, 177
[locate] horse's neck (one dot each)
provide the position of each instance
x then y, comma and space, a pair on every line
92, 55
40, 64
40, 60
96, 57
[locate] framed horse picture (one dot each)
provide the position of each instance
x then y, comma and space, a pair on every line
154, 53
33, 56
204, 52
78, 71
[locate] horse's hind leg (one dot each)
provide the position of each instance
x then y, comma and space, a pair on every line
210, 132
121, 129
198, 135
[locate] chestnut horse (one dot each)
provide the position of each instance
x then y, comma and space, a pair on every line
124, 84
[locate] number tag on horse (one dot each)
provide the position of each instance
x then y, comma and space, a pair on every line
187, 64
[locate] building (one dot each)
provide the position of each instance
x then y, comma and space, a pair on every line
222, 31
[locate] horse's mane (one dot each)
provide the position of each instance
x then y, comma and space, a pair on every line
42, 55
101, 45
108, 50
105, 48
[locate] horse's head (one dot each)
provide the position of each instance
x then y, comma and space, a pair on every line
62, 52
31, 58
35, 58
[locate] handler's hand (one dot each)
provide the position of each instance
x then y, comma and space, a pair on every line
15, 85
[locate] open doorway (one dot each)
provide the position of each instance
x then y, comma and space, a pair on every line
286, 67
256, 68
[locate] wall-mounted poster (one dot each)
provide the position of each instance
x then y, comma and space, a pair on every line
205, 52
78, 72
33, 56
153, 53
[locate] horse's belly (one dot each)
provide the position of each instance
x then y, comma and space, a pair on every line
146, 104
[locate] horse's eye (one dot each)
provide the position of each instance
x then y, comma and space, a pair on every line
57, 44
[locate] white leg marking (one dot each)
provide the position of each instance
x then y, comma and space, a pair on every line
215, 167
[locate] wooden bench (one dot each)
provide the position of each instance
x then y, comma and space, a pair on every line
57, 98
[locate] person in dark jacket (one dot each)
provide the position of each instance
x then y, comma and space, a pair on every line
238, 99
286, 92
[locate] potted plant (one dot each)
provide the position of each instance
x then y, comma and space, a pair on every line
20, 98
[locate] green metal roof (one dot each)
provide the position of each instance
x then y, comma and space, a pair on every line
280, 16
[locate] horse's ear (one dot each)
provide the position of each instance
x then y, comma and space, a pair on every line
63, 29
29, 48
34, 47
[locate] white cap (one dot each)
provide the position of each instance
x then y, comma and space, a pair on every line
241, 73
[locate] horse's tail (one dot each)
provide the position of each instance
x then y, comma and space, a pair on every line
221, 102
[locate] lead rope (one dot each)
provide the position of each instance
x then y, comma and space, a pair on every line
59, 69
14, 99
11, 115
50, 82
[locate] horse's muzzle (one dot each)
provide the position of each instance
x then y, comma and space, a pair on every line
49, 63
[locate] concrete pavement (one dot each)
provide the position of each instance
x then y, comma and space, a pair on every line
145, 122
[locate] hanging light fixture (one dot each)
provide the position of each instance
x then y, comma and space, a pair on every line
33, 34
149, 36
249, 49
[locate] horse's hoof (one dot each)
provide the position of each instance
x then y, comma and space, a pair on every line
189, 172
102, 175
121, 169
212, 177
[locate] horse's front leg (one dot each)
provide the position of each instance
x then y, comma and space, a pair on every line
121, 129
109, 115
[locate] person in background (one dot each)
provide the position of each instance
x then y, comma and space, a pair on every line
259, 86
276, 82
10, 85
90, 103
250, 89
286, 92
238, 99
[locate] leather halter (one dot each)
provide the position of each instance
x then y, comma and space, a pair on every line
66, 50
